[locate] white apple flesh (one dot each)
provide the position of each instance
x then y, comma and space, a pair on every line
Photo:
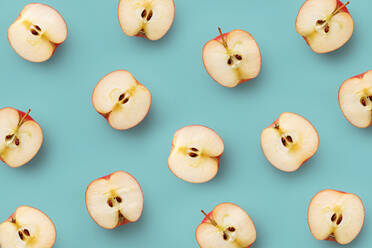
326, 25
121, 99
289, 142
147, 18
227, 226
336, 216
37, 32
355, 99
232, 58
195, 154
28, 227
20, 137
114, 200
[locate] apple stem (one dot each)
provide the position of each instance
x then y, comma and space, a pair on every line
340, 8
209, 218
23, 118
223, 39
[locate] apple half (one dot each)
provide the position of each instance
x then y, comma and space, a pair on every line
37, 32
27, 227
146, 18
326, 25
121, 99
195, 154
114, 200
227, 226
289, 142
232, 58
355, 99
335, 216
20, 137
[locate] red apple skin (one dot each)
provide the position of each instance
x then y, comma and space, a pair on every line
308, 214
28, 118
360, 76
120, 223
107, 114
142, 35
14, 213
344, 9
55, 44
218, 157
277, 120
210, 214
218, 38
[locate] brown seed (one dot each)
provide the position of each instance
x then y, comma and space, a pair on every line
339, 220
37, 27
289, 138
9, 136
333, 217
16, 141
34, 32
231, 229
370, 98
238, 57
149, 16
109, 202
144, 13
118, 199
121, 97
193, 155
194, 149
229, 61
225, 236
284, 142
320, 22
26, 232
20, 235
326, 28
125, 100
363, 101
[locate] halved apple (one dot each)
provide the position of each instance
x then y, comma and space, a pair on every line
232, 58
289, 142
336, 216
355, 99
37, 32
146, 18
28, 227
121, 99
195, 154
326, 25
20, 137
114, 200
227, 226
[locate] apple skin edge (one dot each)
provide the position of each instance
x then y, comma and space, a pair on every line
55, 44
28, 118
218, 38
218, 158
106, 115
360, 76
144, 35
276, 121
120, 223
210, 214
344, 9
338, 191
54, 227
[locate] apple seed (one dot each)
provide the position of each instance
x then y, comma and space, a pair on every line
363, 101
284, 142
34, 32
20, 235
194, 149
229, 62
326, 28
339, 220
37, 27
16, 141
225, 237
118, 199
144, 13
121, 97
109, 202
289, 138
231, 229
320, 22
192, 154
26, 232
333, 217
149, 16
238, 57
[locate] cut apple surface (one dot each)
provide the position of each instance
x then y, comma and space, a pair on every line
28, 227
326, 25
289, 142
355, 99
195, 154
37, 32
20, 137
335, 216
227, 226
147, 18
121, 99
114, 200
232, 58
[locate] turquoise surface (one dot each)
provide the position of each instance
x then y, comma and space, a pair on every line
80, 146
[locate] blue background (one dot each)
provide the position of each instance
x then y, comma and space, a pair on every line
80, 146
